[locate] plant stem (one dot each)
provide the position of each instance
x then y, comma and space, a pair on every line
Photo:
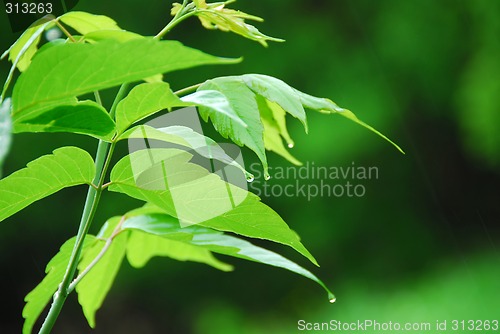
103, 251
66, 32
93, 196
183, 13
187, 89
102, 162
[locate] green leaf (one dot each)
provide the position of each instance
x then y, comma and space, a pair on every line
23, 50
350, 115
277, 91
66, 167
187, 137
147, 99
186, 190
278, 97
74, 69
86, 117
242, 101
39, 297
142, 247
214, 100
86, 23
216, 16
329, 107
214, 241
117, 35
94, 287
193, 195
144, 100
273, 120
5, 131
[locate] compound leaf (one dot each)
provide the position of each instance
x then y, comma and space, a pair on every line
66, 167
165, 178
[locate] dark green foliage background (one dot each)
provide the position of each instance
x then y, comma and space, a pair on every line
422, 245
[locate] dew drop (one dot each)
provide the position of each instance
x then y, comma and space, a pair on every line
332, 300
249, 177
291, 145
267, 177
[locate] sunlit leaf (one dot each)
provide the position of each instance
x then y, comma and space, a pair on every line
217, 16
277, 91
86, 23
187, 137
242, 101
23, 50
202, 197
66, 167
99, 66
117, 35
146, 99
214, 100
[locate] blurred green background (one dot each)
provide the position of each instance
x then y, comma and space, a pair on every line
421, 245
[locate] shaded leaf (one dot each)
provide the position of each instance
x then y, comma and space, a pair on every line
99, 66
39, 297
142, 247
214, 241
94, 287
66, 167
86, 117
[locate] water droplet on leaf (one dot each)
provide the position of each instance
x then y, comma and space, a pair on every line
267, 177
332, 300
290, 145
249, 177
